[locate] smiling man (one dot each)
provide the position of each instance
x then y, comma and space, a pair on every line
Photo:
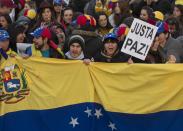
43, 44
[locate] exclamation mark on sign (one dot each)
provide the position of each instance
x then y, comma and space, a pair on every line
146, 50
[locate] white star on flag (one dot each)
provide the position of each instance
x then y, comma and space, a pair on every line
74, 122
98, 113
88, 111
112, 126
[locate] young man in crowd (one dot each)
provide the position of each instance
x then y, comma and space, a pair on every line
76, 48
76, 51
43, 44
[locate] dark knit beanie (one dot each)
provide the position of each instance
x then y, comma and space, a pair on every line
77, 39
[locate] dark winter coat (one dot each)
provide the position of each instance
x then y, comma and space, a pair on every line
162, 5
172, 47
93, 42
119, 57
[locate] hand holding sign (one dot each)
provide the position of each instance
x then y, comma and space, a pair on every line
139, 39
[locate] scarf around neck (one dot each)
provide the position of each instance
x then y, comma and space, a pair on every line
80, 57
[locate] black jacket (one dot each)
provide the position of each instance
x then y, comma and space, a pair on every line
119, 57
161, 5
93, 42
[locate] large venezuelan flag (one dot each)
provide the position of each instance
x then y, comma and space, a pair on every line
57, 95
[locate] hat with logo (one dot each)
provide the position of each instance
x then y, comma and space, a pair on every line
41, 32
110, 36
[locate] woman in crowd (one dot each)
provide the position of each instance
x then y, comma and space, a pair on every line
17, 35
5, 21
110, 51
178, 13
67, 18
173, 26
147, 15
121, 11
103, 25
58, 7
46, 17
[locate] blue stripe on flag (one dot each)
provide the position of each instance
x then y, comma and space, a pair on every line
89, 117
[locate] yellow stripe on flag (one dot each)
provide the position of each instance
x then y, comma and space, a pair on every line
135, 89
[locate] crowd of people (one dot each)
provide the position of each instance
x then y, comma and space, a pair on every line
89, 30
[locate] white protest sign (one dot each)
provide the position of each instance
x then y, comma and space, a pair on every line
67, 1
22, 48
139, 39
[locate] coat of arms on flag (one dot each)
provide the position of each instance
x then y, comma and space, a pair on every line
13, 84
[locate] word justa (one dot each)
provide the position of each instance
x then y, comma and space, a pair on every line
143, 31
